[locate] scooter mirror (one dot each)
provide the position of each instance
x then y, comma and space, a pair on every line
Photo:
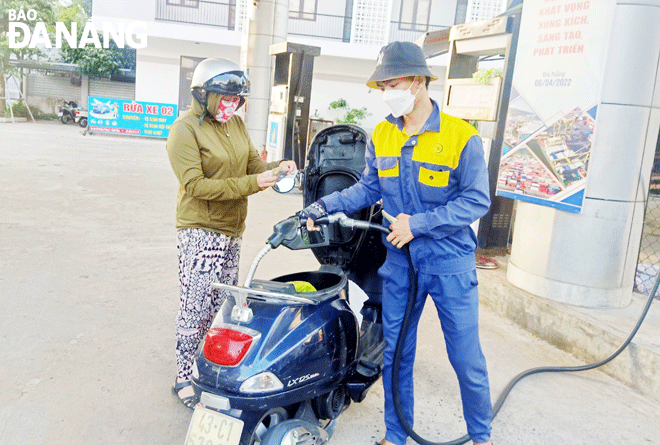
285, 184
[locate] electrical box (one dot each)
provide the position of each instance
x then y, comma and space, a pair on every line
279, 97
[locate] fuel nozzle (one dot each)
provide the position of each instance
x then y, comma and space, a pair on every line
284, 230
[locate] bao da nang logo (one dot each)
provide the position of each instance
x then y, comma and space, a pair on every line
25, 30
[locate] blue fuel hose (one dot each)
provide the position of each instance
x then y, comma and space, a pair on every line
412, 293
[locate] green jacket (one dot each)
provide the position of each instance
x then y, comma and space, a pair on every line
217, 166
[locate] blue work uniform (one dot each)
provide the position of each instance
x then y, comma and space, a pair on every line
440, 178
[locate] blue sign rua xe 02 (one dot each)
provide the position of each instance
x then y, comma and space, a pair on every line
130, 117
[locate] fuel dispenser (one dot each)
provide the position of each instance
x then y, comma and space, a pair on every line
469, 44
288, 119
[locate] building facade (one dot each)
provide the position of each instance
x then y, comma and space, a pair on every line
484, 9
349, 32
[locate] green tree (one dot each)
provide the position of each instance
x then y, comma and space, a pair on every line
91, 61
352, 115
45, 13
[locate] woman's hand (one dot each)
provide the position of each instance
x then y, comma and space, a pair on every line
288, 166
266, 179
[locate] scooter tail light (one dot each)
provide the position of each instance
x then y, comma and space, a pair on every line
227, 346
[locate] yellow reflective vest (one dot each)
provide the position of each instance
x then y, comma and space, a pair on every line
438, 176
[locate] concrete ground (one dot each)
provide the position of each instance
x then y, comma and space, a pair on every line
88, 294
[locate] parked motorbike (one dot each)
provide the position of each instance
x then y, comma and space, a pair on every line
66, 111
285, 357
80, 116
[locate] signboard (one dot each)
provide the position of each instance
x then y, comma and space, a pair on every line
276, 127
130, 117
551, 119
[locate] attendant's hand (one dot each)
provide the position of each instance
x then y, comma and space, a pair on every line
313, 212
400, 234
288, 166
266, 179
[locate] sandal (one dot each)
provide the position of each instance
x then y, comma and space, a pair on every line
190, 401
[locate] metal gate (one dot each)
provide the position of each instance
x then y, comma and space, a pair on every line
648, 260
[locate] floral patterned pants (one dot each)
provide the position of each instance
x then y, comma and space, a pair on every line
204, 257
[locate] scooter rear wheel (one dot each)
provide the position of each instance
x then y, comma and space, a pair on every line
268, 421
295, 432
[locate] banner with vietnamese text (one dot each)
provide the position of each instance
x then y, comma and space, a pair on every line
130, 117
552, 108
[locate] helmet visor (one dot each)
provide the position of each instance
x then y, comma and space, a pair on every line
229, 84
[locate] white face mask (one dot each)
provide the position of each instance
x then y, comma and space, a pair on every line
400, 102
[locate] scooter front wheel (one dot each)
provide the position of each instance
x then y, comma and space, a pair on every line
295, 432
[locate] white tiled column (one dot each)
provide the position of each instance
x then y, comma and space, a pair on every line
590, 259
267, 24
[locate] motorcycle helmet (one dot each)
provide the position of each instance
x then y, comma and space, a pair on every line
220, 76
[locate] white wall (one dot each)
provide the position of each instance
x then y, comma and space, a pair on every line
442, 12
125, 11
157, 80
331, 8
144, 10
157, 72
326, 89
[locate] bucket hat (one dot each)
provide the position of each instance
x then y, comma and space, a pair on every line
399, 59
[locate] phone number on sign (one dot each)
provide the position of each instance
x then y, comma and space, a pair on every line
552, 82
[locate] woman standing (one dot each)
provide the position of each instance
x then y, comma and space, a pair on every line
218, 168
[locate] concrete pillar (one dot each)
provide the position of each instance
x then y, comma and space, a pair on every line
590, 259
84, 91
267, 24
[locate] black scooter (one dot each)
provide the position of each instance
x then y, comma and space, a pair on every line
285, 357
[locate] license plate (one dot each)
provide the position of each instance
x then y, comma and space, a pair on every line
208, 427
59, 114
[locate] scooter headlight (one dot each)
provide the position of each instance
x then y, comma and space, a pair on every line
264, 382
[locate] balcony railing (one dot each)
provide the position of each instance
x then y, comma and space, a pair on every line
323, 26
338, 28
332, 27
198, 12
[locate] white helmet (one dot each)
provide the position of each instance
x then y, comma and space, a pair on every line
220, 76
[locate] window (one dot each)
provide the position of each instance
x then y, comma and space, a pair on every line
186, 3
369, 17
302, 9
415, 15
484, 9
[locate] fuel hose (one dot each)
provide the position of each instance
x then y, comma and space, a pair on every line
412, 293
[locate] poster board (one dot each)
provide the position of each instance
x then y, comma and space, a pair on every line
551, 118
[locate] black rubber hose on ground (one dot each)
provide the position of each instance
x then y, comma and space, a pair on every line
412, 293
